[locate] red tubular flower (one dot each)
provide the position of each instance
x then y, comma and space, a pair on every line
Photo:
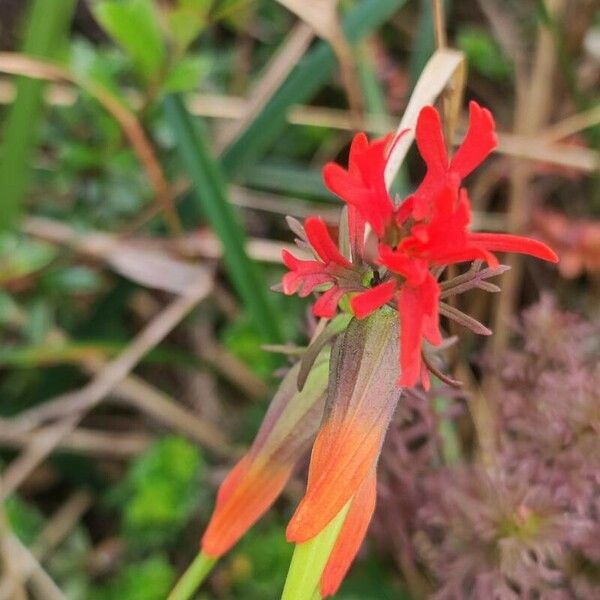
443, 240
362, 186
305, 275
478, 143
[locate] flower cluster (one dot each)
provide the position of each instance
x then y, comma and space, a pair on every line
344, 391
405, 243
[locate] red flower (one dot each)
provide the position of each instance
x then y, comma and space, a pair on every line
362, 186
478, 143
305, 275
443, 240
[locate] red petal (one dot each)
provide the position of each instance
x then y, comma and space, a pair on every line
356, 231
418, 308
350, 537
504, 242
336, 179
430, 141
304, 275
319, 238
327, 304
478, 143
365, 303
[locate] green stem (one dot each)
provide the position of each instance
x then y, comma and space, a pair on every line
309, 561
193, 577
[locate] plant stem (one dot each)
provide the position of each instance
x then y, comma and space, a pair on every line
309, 560
193, 577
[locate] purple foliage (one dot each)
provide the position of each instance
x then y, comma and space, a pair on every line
528, 525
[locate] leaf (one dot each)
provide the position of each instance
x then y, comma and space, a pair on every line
304, 81
185, 24
134, 25
45, 32
210, 192
161, 491
186, 74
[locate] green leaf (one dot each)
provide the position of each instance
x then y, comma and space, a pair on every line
186, 74
134, 25
483, 53
21, 256
313, 71
161, 491
185, 24
45, 34
150, 579
210, 191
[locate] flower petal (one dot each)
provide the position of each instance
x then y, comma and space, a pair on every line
505, 242
255, 482
304, 275
363, 185
418, 308
365, 303
351, 536
478, 143
432, 147
320, 239
327, 304
361, 399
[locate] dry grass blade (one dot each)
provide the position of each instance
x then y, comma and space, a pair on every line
94, 443
18, 64
79, 402
56, 529
322, 16
571, 125
533, 110
534, 148
143, 396
443, 68
291, 51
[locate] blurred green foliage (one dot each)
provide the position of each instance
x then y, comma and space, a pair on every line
483, 53
150, 579
160, 492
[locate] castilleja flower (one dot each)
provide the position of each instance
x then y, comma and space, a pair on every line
397, 252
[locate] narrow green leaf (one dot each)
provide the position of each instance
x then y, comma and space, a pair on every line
211, 194
134, 26
309, 560
45, 34
303, 82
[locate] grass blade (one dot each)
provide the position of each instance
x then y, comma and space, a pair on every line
46, 29
211, 194
305, 80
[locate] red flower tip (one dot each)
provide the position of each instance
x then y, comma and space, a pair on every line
365, 303
321, 242
362, 185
